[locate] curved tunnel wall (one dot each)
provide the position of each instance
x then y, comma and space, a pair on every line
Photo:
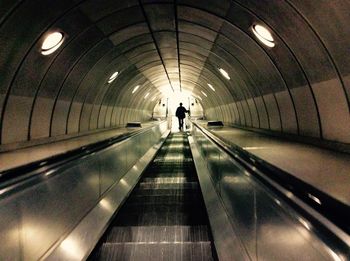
301, 86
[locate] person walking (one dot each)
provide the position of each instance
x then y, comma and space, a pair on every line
180, 114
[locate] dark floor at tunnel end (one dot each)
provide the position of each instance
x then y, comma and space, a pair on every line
164, 218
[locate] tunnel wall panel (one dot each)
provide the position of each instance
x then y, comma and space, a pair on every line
306, 111
41, 118
288, 117
333, 110
273, 112
59, 120
264, 122
74, 119
254, 113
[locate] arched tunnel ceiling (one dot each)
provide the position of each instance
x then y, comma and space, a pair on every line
301, 86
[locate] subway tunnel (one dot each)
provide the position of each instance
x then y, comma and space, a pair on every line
88, 91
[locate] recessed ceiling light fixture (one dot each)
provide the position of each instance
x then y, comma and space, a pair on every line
199, 98
224, 73
135, 89
147, 94
263, 35
204, 94
113, 77
211, 87
52, 42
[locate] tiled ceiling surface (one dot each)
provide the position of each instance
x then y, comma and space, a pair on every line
301, 86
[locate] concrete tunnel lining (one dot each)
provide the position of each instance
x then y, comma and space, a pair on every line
298, 87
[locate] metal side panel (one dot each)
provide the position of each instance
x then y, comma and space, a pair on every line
81, 241
228, 245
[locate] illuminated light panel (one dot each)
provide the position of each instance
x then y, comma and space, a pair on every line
135, 89
51, 43
199, 98
211, 87
263, 35
113, 77
204, 94
147, 94
224, 73
154, 98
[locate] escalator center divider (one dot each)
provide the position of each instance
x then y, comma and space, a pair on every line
164, 218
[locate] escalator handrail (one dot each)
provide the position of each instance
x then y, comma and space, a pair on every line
335, 211
11, 177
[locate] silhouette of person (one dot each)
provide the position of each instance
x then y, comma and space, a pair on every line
180, 114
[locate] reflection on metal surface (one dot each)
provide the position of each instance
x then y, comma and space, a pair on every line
123, 182
255, 148
51, 43
289, 194
106, 205
113, 77
305, 223
263, 35
278, 202
317, 200
335, 256
71, 248
49, 172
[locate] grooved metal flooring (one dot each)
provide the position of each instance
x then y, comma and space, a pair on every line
164, 218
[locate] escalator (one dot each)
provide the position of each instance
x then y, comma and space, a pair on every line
164, 217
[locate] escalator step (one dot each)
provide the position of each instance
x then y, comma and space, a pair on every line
157, 251
158, 234
164, 191
167, 199
162, 186
170, 218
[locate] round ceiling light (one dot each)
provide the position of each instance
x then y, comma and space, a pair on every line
224, 73
263, 35
211, 87
113, 77
51, 43
135, 89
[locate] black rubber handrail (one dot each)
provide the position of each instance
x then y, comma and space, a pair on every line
334, 210
18, 174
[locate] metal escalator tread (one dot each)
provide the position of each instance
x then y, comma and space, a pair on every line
164, 218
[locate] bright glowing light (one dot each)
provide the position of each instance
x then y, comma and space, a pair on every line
224, 73
204, 94
147, 94
113, 77
211, 87
199, 98
263, 35
154, 98
51, 43
135, 89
